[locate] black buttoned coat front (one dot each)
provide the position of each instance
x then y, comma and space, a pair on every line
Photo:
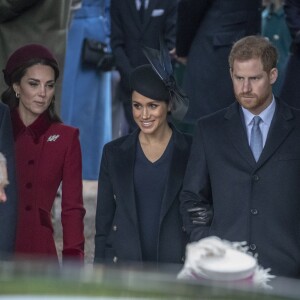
117, 230
257, 202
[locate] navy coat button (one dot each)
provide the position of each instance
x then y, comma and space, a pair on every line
115, 228
115, 259
252, 247
255, 177
254, 211
115, 197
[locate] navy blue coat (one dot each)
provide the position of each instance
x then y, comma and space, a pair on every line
117, 231
206, 31
256, 202
8, 210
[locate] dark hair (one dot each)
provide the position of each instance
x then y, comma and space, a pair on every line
9, 96
254, 46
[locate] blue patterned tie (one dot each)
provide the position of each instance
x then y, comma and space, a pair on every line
256, 140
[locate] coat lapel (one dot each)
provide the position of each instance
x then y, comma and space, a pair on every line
236, 132
125, 166
177, 168
280, 128
148, 12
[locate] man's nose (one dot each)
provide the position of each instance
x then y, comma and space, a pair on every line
246, 86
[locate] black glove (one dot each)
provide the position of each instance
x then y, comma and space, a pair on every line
200, 215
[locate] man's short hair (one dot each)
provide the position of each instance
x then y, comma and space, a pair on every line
254, 46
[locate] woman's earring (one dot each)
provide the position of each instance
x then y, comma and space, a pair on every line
17, 95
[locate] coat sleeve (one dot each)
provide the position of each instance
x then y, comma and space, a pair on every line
105, 208
8, 210
72, 202
196, 190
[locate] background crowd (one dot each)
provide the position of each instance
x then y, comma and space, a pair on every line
105, 115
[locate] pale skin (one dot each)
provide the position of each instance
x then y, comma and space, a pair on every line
252, 85
151, 117
36, 91
3, 182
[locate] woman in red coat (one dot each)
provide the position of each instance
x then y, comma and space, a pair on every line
47, 154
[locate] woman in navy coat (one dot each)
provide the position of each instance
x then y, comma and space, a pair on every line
141, 174
47, 154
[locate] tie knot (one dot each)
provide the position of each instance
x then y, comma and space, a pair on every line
256, 120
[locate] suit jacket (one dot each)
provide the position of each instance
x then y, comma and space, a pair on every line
48, 154
117, 231
129, 35
256, 202
8, 210
206, 31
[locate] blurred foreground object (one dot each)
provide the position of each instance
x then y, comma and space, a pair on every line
215, 259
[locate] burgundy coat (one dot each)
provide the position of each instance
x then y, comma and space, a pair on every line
48, 154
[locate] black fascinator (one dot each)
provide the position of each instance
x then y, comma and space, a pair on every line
160, 61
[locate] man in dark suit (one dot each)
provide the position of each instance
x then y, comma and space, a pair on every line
133, 27
8, 209
242, 178
206, 30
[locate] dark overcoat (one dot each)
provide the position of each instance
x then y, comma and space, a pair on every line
8, 210
117, 230
206, 31
129, 35
256, 202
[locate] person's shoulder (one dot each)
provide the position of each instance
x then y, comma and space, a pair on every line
123, 141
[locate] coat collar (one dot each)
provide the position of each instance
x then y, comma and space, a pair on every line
126, 168
36, 129
282, 123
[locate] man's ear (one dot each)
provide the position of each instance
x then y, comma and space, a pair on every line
273, 75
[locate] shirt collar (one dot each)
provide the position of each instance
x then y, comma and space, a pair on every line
266, 115
36, 129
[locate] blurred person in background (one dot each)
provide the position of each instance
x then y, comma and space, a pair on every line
274, 27
290, 86
206, 31
8, 210
47, 154
137, 217
86, 96
34, 21
134, 24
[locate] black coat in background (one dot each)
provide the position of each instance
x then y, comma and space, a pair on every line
290, 87
206, 31
257, 202
117, 237
8, 210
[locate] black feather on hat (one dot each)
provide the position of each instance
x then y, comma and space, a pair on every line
160, 61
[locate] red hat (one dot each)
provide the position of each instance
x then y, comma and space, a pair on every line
23, 55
